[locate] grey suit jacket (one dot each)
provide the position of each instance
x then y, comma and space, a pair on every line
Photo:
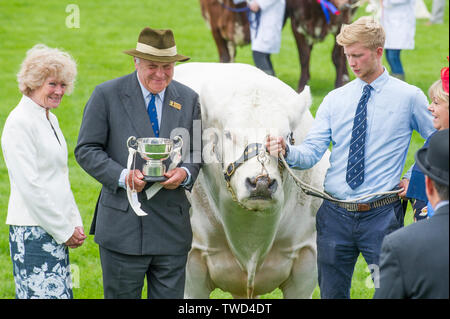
414, 260
115, 111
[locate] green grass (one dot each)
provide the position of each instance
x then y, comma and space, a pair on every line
109, 27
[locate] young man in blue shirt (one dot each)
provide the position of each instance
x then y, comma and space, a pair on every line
369, 123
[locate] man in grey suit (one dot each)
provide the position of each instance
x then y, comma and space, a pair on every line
145, 103
414, 260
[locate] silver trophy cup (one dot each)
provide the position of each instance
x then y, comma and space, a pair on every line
154, 150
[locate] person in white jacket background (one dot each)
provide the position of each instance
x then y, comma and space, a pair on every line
399, 22
266, 24
43, 216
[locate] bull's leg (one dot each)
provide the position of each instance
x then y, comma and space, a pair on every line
303, 277
304, 53
340, 63
198, 283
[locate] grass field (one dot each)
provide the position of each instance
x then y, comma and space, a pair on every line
109, 27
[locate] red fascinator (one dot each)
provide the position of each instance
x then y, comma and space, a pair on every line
444, 78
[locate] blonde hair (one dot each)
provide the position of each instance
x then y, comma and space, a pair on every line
366, 30
436, 90
42, 62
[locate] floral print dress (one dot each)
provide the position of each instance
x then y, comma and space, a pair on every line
41, 266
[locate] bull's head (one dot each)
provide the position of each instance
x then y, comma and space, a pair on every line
236, 128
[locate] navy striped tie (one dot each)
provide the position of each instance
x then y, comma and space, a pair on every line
153, 115
355, 165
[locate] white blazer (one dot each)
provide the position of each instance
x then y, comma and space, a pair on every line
399, 22
267, 38
38, 172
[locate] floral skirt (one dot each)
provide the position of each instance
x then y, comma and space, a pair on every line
40, 265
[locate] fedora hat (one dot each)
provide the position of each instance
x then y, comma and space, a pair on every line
156, 45
433, 160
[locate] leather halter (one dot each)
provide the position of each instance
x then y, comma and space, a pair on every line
250, 151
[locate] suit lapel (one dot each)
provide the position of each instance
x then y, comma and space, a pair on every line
171, 111
135, 107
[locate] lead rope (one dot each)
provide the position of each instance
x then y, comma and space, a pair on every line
310, 190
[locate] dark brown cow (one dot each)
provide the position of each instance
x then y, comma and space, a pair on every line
308, 23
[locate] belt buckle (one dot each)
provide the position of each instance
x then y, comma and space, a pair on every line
363, 207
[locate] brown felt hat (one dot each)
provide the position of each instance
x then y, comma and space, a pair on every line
156, 45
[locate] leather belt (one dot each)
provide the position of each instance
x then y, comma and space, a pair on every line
364, 207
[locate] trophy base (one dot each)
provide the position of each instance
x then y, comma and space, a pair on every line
153, 179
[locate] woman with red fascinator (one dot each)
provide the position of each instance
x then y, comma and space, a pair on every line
415, 191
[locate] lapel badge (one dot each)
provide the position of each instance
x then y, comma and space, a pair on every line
175, 105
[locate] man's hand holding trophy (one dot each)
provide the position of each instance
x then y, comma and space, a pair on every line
154, 151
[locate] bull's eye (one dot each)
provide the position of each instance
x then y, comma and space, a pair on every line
227, 134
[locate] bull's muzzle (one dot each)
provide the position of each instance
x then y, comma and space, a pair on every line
261, 187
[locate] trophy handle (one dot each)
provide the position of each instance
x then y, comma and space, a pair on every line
131, 142
175, 155
178, 143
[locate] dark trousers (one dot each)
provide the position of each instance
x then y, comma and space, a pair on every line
342, 235
123, 275
393, 58
262, 61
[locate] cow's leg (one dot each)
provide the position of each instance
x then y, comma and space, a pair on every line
340, 63
303, 277
198, 283
222, 46
304, 54
231, 51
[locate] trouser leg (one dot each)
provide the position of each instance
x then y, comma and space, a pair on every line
437, 11
262, 61
371, 230
395, 63
166, 277
123, 275
336, 251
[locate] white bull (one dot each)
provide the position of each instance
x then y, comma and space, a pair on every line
258, 232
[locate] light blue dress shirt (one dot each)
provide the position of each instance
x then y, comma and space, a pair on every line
394, 110
159, 98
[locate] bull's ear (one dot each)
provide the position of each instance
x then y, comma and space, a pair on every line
306, 98
301, 102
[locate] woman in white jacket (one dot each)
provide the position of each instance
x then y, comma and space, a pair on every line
399, 22
43, 216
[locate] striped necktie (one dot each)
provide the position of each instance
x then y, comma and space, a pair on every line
153, 115
355, 165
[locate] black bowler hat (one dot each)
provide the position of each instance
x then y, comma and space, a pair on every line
433, 160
